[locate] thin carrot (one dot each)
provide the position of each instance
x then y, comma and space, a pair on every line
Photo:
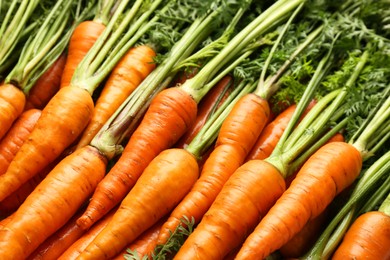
64, 117
16, 136
83, 38
12, 101
54, 201
164, 122
47, 85
210, 102
161, 186
57, 243
125, 77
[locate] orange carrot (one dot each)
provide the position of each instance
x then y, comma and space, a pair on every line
125, 77
251, 190
238, 133
161, 186
211, 101
83, 38
320, 175
16, 136
57, 243
54, 201
165, 121
60, 123
47, 85
367, 238
74, 250
12, 101
144, 244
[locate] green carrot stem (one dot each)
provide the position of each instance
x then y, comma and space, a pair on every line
103, 11
385, 206
209, 132
196, 85
370, 177
382, 135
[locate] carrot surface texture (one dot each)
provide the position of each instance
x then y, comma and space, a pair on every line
287, 217
171, 112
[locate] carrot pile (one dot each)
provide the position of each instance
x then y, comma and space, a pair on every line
277, 134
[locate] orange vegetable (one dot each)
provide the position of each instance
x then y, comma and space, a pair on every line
164, 122
60, 123
83, 38
54, 201
326, 173
367, 238
16, 136
46, 86
129, 72
164, 182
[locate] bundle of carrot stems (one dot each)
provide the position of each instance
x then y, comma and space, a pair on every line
183, 129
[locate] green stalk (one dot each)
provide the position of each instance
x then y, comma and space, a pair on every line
196, 85
338, 226
103, 12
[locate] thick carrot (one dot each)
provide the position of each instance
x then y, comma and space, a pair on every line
16, 136
12, 101
130, 71
47, 85
60, 123
170, 114
74, 250
55, 200
367, 238
162, 185
83, 38
251, 190
326, 173
211, 101
238, 133
57, 243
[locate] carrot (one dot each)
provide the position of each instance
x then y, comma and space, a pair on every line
144, 244
83, 38
47, 85
74, 250
162, 185
60, 123
57, 243
317, 183
53, 202
165, 121
125, 77
12, 101
367, 238
16, 136
263, 185
211, 101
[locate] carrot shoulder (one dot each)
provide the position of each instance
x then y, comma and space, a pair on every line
12, 101
16, 136
130, 71
60, 123
327, 172
52, 203
170, 113
162, 185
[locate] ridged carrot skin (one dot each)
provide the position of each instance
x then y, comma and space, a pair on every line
161, 186
326, 173
238, 133
16, 136
367, 238
82, 40
130, 71
47, 85
61, 122
244, 199
170, 114
12, 101
55, 200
